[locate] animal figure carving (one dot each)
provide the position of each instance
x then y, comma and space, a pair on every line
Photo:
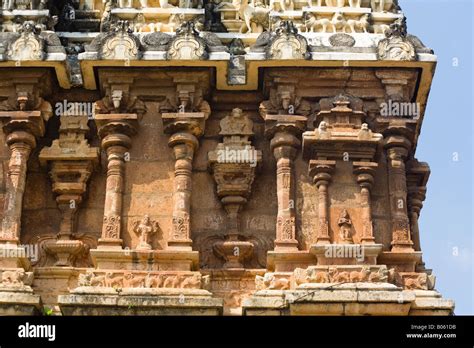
418, 283
380, 28
270, 282
134, 281
111, 281
193, 282
360, 276
339, 277
319, 277
98, 280
255, 16
153, 281
16, 277
362, 24
380, 276
337, 23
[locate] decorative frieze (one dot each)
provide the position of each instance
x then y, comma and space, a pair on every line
144, 280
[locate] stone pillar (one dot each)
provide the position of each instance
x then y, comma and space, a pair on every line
185, 128
21, 130
397, 147
320, 171
365, 172
115, 131
416, 196
285, 228
184, 145
284, 131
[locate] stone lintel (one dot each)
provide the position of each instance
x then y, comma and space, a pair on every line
158, 302
177, 260
72, 159
102, 119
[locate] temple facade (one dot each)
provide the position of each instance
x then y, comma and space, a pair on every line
213, 157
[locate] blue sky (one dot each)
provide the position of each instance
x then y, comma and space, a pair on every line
446, 225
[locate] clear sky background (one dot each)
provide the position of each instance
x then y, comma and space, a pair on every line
446, 223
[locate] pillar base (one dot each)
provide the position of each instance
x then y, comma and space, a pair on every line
109, 244
289, 260
286, 245
405, 261
180, 245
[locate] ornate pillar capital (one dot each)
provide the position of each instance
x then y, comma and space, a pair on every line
320, 171
365, 172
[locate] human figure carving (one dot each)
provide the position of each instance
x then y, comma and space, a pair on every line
237, 123
345, 227
144, 229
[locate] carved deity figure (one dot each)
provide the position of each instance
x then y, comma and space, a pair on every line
237, 123
144, 229
345, 227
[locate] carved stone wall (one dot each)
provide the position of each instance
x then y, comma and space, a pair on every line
223, 151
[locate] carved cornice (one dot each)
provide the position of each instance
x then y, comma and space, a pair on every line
341, 133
